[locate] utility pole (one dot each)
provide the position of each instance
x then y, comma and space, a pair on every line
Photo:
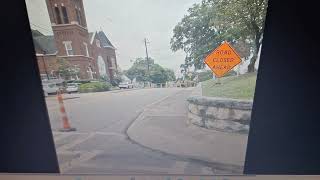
148, 65
145, 44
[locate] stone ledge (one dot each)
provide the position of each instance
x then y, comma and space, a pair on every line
221, 102
221, 114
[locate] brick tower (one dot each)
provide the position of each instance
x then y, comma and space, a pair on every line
71, 35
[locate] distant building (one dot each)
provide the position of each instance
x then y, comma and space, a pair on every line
91, 53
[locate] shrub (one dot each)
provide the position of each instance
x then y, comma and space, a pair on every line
94, 87
204, 76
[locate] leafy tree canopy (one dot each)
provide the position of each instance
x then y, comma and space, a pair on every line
66, 70
156, 73
211, 22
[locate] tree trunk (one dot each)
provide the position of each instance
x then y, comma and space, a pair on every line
252, 63
255, 55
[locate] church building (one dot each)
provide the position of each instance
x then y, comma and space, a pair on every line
90, 53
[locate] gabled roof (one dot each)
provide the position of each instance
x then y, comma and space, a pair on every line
105, 42
45, 43
36, 33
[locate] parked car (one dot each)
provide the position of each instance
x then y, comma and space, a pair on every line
72, 87
125, 85
50, 89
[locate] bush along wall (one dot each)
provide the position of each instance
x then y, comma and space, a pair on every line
94, 87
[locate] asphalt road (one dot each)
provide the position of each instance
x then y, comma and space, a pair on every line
101, 145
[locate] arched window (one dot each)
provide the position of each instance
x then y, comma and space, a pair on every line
101, 67
58, 16
79, 17
65, 15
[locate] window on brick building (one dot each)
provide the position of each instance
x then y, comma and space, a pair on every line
68, 46
86, 49
58, 16
65, 15
78, 13
98, 43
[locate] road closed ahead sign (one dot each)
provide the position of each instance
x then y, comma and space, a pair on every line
222, 59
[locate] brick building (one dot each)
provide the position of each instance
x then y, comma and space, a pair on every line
92, 54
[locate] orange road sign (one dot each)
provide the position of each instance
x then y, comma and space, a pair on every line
222, 59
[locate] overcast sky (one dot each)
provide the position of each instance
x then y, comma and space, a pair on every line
127, 23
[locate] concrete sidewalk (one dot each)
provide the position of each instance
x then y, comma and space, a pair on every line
163, 127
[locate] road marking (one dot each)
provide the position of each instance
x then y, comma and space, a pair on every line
74, 143
111, 134
82, 158
59, 136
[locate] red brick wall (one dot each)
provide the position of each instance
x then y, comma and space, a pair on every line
70, 6
48, 62
105, 53
74, 33
78, 35
83, 63
51, 64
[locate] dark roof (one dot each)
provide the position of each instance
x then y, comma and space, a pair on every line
105, 42
45, 43
36, 33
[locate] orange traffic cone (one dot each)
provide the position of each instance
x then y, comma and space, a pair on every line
66, 126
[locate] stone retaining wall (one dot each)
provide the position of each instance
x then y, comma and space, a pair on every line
221, 114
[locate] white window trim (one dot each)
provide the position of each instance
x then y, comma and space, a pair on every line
66, 47
86, 49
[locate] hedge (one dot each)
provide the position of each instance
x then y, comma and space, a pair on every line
94, 87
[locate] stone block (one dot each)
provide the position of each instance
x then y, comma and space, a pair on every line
242, 115
193, 108
194, 119
227, 126
223, 113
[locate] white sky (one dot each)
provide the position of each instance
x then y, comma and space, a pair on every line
127, 23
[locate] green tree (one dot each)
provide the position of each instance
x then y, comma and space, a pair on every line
194, 35
156, 73
211, 22
66, 70
139, 70
242, 20
170, 74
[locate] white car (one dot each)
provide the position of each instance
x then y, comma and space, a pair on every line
50, 88
125, 85
72, 87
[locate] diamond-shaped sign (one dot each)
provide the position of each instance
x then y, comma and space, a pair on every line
222, 59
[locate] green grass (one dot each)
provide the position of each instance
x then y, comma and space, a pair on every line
236, 87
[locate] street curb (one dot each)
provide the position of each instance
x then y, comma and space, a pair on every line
236, 169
